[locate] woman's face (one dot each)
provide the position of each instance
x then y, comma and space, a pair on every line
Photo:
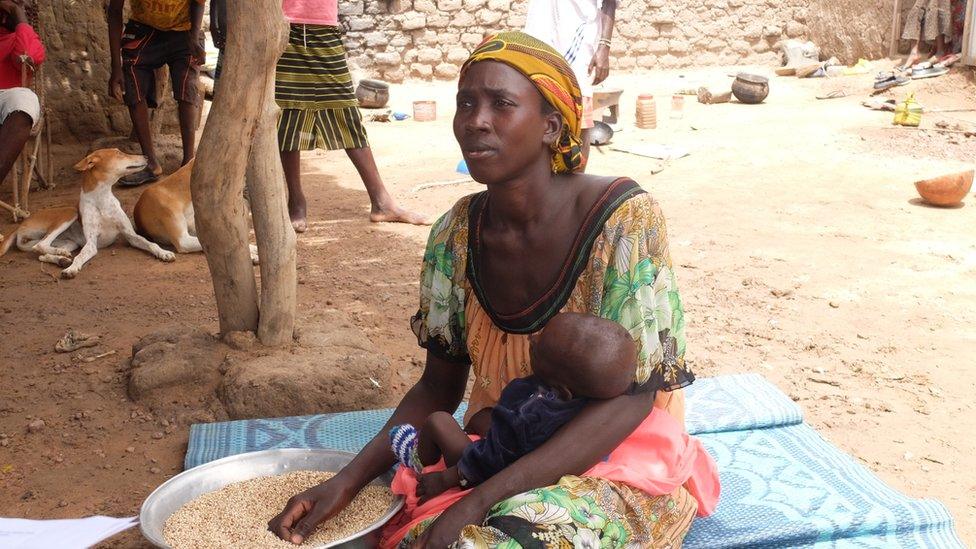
499, 122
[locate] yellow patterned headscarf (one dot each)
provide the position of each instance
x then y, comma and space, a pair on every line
551, 74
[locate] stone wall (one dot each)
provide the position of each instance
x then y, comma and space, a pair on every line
76, 71
431, 38
399, 39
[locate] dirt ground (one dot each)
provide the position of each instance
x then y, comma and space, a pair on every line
802, 251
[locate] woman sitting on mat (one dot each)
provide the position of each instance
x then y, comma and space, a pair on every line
542, 239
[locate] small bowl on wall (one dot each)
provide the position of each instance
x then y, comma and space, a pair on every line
946, 190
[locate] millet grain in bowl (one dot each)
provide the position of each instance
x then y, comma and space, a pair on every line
237, 515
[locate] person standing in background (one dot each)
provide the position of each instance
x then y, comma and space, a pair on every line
159, 32
314, 89
581, 30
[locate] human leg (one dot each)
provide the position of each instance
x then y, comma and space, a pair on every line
19, 109
185, 76
441, 436
912, 32
586, 124
189, 115
585, 135
142, 54
383, 208
139, 113
291, 163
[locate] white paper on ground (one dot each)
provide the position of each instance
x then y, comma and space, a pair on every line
60, 534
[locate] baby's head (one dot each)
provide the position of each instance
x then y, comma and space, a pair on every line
590, 356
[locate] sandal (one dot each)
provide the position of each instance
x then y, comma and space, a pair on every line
930, 72
891, 82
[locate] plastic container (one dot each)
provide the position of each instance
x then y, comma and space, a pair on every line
909, 112
677, 106
424, 111
646, 112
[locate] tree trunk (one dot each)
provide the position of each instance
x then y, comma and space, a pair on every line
275, 236
255, 41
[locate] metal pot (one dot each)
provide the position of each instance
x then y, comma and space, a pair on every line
750, 88
601, 134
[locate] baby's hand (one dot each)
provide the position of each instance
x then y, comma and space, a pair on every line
431, 485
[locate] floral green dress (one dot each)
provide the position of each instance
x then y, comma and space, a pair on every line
620, 269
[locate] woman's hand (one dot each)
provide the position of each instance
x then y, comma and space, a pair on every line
440, 388
305, 511
447, 527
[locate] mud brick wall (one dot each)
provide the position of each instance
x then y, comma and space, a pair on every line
429, 39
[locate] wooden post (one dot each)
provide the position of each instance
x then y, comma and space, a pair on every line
255, 40
894, 40
272, 227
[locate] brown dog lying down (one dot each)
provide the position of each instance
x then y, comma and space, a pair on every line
95, 222
164, 214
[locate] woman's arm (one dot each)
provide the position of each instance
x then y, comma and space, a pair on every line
440, 388
603, 425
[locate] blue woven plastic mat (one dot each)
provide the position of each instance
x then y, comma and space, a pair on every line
725, 403
788, 487
782, 484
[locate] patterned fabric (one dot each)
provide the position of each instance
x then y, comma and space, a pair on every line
314, 89
928, 19
626, 277
580, 512
403, 442
550, 73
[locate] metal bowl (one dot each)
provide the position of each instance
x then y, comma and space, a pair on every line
188, 485
601, 134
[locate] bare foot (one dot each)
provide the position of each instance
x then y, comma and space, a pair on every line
397, 214
296, 212
910, 61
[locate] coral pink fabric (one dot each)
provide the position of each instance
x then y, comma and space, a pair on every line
657, 458
23, 41
312, 12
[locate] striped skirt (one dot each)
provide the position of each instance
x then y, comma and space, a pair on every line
314, 89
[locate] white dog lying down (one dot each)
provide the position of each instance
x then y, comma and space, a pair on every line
96, 222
